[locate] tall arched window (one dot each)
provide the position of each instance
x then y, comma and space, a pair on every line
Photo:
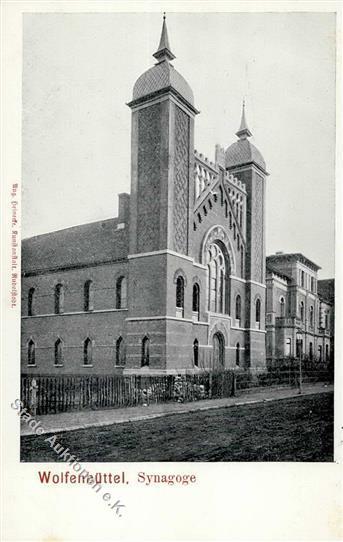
196, 299
88, 296
31, 353
238, 308
311, 316
59, 298
145, 352
282, 307
58, 352
238, 360
120, 352
218, 286
310, 353
302, 314
320, 354
258, 311
31, 302
87, 352
180, 296
196, 352
121, 293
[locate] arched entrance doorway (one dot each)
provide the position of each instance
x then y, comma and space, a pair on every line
218, 350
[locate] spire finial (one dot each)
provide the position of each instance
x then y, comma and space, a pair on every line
243, 131
163, 52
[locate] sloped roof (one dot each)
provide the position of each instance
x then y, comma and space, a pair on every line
160, 76
243, 152
87, 244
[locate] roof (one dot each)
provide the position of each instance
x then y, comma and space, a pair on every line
293, 257
243, 152
162, 75
87, 244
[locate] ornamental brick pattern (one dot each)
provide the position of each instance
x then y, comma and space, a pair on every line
181, 168
257, 232
149, 137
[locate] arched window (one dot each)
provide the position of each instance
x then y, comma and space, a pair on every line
311, 316
59, 298
226, 208
218, 285
234, 231
180, 296
120, 352
145, 352
238, 310
87, 352
230, 220
238, 355
310, 353
31, 302
31, 353
196, 352
58, 352
320, 353
282, 307
258, 311
121, 293
196, 299
302, 311
88, 296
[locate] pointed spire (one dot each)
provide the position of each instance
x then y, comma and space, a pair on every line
243, 131
163, 52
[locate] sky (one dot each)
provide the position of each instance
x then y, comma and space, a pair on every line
78, 74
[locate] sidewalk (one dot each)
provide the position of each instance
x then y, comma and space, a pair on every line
70, 421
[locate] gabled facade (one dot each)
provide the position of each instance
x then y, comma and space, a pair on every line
176, 283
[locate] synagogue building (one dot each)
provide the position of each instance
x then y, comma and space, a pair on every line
177, 282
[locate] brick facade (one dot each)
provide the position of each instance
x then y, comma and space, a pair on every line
176, 282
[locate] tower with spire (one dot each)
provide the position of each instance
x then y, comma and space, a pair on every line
161, 200
246, 163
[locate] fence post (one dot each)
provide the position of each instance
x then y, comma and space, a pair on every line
33, 401
234, 384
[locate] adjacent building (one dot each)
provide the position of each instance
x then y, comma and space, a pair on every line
300, 309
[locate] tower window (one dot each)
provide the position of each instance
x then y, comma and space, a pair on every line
180, 295
88, 296
258, 311
59, 298
121, 293
31, 353
145, 352
31, 302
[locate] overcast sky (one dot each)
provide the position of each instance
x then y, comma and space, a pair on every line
79, 71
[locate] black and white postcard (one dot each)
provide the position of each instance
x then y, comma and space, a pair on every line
171, 208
